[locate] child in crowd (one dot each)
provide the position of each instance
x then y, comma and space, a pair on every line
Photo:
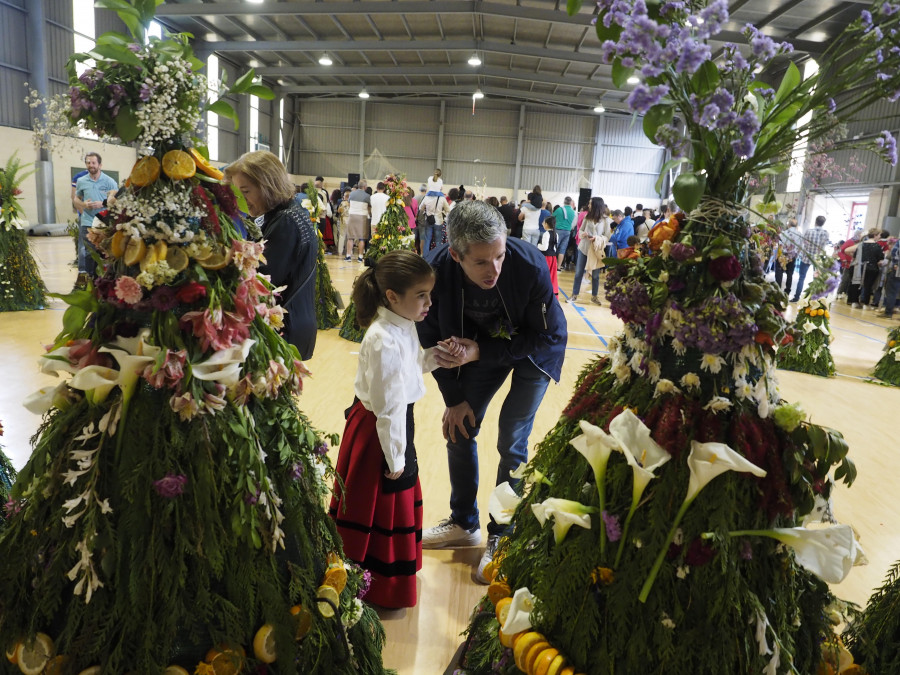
435, 185
632, 250
379, 511
548, 245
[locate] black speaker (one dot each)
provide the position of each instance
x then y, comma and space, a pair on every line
352, 179
584, 196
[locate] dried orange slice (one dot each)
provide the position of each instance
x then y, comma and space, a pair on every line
177, 259
264, 644
135, 250
535, 651
32, 658
502, 609
216, 260
498, 590
57, 665
178, 165
336, 577
226, 660
507, 640
204, 166
543, 661
327, 597
522, 644
175, 670
144, 171
303, 619
11, 653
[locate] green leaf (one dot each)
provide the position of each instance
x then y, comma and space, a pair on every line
785, 117
657, 116
688, 190
244, 81
706, 79
789, 83
196, 64
671, 164
720, 253
817, 441
572, 7
127, 124
620, 74
130, 16
224, 109
774, 170
116, 53
614, 32
260, 91
113, 38
241, 202
73, 320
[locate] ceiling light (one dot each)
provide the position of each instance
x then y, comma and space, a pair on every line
474, 60
599, 108
478, 94
634, 79
364, 94
325, 60
255, 2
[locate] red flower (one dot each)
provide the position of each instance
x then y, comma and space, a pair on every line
764, 338
726, 268
191, 292
787, 339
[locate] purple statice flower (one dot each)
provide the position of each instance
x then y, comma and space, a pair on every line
613, 529
766, 92
722, 98
879, 36
628, 300
714, 16
720, 324
832, 106
866, 17
117, 91
364, 586
734, 60
708, 115
888, 147
671, 138
888, 9
748, 126
643, 97
321, 450
762, 46
693, 55
671, 7
296, 471
170, 486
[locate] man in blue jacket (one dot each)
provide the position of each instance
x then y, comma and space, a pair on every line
495, 295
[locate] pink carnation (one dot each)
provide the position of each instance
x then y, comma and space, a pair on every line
128, 290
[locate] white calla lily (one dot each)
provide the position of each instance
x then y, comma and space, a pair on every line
565, 513
708, 460
223, 366
130, 368
595, 445
96, 382
827, 552
502, 503
45, 398
519, 617
532, 478
137, 345
55, 361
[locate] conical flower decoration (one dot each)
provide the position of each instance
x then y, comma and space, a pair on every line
171, 513
392, 233
807, 346
700, 581
21, 286
888, 367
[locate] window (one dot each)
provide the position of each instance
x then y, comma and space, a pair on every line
154, 30
212, 119
254, 123
798, 154
282, 150
84, 29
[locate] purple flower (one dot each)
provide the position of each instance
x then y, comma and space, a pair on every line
296, 471
172, 485
726, 268
146, 92
748, 125
866, 17
682, 252
888, 145
693, 55
832, 106
888, 9
163, 299
364, 586
613, 529
321, 450
676, 285
642, 97
653, 325
707, 117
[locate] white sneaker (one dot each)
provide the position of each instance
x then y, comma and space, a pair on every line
486, 557
572, 299
856, 305
447, 534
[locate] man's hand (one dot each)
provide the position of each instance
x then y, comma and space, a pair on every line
456, 352
454, 420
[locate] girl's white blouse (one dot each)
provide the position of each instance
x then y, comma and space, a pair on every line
389, 378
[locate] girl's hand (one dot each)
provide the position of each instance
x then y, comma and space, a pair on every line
393, 475
456, 352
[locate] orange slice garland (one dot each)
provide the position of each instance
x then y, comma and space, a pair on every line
178, 165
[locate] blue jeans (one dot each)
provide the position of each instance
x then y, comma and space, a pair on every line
580, 264
562, 241
431, 232
479, 384
804, 268
86, 262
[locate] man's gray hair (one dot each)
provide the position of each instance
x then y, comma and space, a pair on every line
474, 222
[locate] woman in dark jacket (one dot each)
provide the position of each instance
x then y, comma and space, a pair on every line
291, 243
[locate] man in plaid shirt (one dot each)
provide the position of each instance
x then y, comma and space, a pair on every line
891, 283
811, 246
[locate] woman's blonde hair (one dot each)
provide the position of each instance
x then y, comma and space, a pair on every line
267, 172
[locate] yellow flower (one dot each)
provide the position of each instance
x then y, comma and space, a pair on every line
603, 576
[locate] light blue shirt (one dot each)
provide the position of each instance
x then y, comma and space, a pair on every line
89, 190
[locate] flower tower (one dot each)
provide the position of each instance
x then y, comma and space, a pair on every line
7, 476
391, 234
807, 346
327, 315
888, 367
21, 286
667, 523
171, 515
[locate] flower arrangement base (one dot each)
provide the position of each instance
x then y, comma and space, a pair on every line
810, 348
327, 315
615, 579
350, 330
874, 636
21, 286
888, 367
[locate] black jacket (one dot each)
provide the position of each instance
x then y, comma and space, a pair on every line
291, 252
532, 309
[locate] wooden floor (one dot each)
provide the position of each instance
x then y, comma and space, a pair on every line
422, 640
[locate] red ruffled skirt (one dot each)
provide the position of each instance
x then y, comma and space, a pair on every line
554, 272
381, 525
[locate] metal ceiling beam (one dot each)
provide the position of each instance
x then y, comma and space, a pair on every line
399, 45
374, 8
432, 71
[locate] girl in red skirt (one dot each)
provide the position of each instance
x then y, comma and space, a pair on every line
379, 511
